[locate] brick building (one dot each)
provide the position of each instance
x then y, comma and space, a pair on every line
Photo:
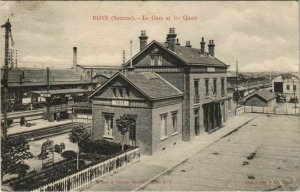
157, 104
195, 72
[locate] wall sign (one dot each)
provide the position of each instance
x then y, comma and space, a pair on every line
119, 102
211, 69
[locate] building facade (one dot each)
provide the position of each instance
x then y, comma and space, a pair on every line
156, 103
195, 72
286, 84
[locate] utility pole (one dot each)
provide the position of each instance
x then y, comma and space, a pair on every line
237, 84
91, 79
7, 27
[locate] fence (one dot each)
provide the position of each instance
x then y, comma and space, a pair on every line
82, 118
270, 110
86, 176
239, 110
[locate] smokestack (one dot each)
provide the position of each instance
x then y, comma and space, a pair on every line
143, 40
75, 58
202, 45
188, 44
211, 48
177, 43
171, 38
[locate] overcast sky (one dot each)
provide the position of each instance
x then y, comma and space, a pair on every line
262, 36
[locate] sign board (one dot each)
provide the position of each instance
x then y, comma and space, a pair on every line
211, 69
120, 103
26, 100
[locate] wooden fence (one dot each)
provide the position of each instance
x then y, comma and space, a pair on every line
83, 178
268, 110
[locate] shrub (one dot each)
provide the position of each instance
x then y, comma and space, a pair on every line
69, 155
102, 147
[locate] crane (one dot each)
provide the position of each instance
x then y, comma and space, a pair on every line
7, 27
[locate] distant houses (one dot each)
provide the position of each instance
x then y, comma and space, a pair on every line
286, 84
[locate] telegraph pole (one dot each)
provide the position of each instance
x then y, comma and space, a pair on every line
237, 84
7, 27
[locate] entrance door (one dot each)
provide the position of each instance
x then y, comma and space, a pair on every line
132, 135
278, 87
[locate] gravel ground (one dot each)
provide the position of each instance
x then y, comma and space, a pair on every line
262, 155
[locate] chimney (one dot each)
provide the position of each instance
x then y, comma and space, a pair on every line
171, 38
143, 40
177, 43
211, 48
188, 44
74, 58
202, 43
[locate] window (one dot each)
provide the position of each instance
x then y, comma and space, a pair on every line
108, 125
120, 92
196, 87
159, 60
206, 87
223, 87
287, 87
174, 121
155, 60
152, 60
114, 92
294, 87
215, 86
196, 118
163, 126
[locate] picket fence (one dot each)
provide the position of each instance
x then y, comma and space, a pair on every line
83, 178
267, 110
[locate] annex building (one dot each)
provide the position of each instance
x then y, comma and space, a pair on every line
194, 88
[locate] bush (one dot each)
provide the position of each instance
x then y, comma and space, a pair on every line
102, 147
69, 155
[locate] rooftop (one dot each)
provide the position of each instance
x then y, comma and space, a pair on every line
149, 83
193, 56
264, 94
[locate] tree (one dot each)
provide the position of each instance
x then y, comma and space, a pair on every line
13, 153
79, 135
124, 123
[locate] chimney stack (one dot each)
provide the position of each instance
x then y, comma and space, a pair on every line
74, 58
211, 48
171, 38
143, 40
188, 44
202, 43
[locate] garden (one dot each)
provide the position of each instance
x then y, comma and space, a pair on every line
87, 153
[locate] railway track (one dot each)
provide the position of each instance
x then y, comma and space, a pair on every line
46, 132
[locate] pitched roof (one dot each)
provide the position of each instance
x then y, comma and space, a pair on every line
113, 67
148, 83
264, 94
37, 76
193, 56
190, 56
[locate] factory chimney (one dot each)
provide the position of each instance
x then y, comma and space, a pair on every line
74, 58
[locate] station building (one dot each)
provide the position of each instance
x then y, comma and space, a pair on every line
198, 75
156, 103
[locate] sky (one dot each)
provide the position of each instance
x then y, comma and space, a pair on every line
261, 36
